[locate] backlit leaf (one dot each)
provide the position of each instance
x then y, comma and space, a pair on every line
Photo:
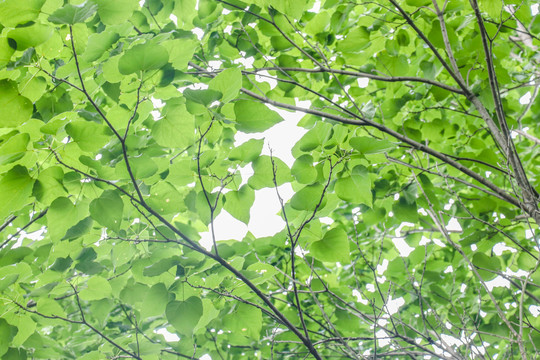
482, 261
355, 188
72, 14
333, 247
367, 145
97, 288
115, 12
89, 136
176, 129
303, 170
184, 315
14, 12
14, 148
143, 57
253, 117
228, 82
30, 36
238, 203
15, 187
16, 109
98, 44
265, 169
107, 210
308, 198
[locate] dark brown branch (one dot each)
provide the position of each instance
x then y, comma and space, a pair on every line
80, 322
211, 207
7, 222
109, 124
359, 121
211, 255
360, 74
36, 218
530, 197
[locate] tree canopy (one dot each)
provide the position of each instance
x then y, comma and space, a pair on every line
412, 232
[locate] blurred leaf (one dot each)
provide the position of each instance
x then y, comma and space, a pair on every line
333, 247
184, 315
72, 14
252, 117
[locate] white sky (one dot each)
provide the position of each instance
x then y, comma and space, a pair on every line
264, 218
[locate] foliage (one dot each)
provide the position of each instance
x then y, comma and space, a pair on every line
117, 144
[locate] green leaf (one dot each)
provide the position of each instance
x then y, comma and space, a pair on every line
315, 137
98, 44
155, 301
355, 188
16, 109
405, 211
204, 97
26, 327
494, 8
154, 6
14, 12
239, 203
180, 51
264, 172
30, 36
176, 129
88, 135
131, 293
14, 149
228, 82
161, 266
79, 229
184, 315
245, 320
396, 268
319, 23
7, 333
355, 41
254, 117
49, 185
62, 215
73, 14
6, 51
142, 167
7, 280
107, 210
392, 65
165, 198
482, 261
180, 173
97, 288
308, 198
15, 255
143, 57
50, 307
333, 247
368, 145
303, 170
248, 151
61, 264
418, 2
115, 12
209, 314
16, 188
34, 89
